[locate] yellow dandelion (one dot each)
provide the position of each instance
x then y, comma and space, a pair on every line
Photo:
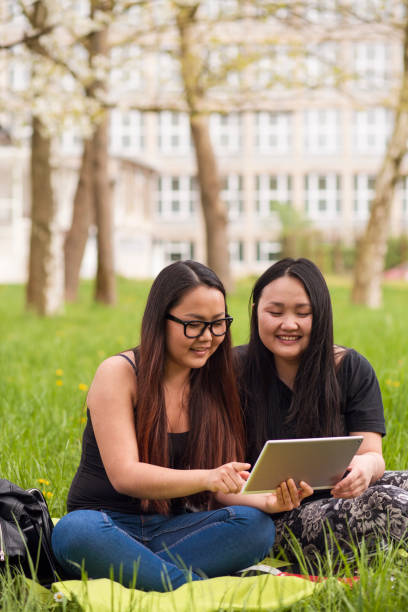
396, 383
59, 383
83, 419
43, 481
49, 494
83, 387
388, 381
59, 372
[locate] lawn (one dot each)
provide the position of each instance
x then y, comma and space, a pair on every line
46, 366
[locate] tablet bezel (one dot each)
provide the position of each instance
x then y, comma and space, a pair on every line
326, 458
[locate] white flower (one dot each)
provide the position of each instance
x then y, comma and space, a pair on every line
59, 597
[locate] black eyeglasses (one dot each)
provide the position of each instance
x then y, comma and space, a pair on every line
194, 329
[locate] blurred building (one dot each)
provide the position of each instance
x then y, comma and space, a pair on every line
316, 150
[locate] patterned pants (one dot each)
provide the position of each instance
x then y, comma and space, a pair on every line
381, 512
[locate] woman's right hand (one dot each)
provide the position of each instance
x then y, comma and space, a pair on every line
228, 478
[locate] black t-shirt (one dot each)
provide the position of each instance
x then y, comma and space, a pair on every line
361, 402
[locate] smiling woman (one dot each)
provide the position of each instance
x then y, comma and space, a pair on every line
295, 383
164, 439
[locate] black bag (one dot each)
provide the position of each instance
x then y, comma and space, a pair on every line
25, 533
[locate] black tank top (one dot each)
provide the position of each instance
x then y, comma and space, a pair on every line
91, 488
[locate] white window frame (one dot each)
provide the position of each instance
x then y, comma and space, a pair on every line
176, 197
372, 65
267, 250
174, 133
322, 201
126, 132
363, 193
226, 133
371, 130
236, 251
322, 131
126, 68
320, 63
273, 132
232, 195
168, 73
177, 250
404, 197
270, 189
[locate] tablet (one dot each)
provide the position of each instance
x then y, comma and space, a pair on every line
321, 462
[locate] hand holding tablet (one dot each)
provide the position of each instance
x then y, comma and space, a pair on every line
320, 462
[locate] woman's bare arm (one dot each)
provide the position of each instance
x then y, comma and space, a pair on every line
110, 401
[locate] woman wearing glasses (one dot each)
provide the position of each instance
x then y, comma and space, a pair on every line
163, 444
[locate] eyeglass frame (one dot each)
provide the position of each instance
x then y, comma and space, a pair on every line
228, 320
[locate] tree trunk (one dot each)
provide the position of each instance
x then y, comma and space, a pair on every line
105, 289
77, 236
44, 291
373, 245
214, 210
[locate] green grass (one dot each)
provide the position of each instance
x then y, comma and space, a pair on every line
43, 362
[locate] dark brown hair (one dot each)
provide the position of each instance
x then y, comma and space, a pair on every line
315, 407
216, 430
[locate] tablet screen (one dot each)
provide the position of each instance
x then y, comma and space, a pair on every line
320, 462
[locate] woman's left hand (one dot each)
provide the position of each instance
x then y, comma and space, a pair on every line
359, 477
287, 496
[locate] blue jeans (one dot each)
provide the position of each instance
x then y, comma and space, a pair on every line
156, 552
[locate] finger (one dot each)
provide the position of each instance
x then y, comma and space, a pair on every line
240, 467
286, 499
293, 492
244, 475
305, 490
233, 481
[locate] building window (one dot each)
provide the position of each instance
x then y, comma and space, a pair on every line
176, 251
221, 62
226, 133
323, 12
174, 133
322, 196
231, 194
372, 65
363, 195
371, 130
126, 72
177, 197
18, 72
322, 131
267, 250
236, 251
168, 73
320, 64
271, 190
273, 132
275, 69
126, 132
404, 196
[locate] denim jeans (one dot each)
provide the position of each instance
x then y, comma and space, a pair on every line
156, 552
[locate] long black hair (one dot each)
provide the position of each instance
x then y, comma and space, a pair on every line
315, 405
216, 433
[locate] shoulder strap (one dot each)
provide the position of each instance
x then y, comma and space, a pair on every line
129, 360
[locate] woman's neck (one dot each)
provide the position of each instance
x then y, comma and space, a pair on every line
286, 371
